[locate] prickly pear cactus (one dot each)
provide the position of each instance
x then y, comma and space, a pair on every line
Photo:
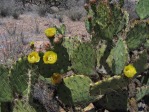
142, 8
5, 88
141, 92
75, 90
100, 52
84, 59
61, 65
70, 44
22, 76
146, 45
116, 101
137, 35
23, 107
105, 20
118, 57
141, 64
108, 85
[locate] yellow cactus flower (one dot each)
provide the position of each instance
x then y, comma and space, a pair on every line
50, 32
129, 71
56, 78
33, 57
50, 57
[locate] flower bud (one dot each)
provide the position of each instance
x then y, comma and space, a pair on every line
86, 6
60, 36
56, 40
89, 18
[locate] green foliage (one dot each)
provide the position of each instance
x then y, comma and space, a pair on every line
106, 21
141, 92
75, 90
63, 62
22, 76
118, 57
84, 59
100, 52
5, 88
88, 26
144, 89
21, 106
142, 9
71, 44
137, 35
115, 101
61, 66
146, 45
61, 30
108, 85
111, 33
141, 63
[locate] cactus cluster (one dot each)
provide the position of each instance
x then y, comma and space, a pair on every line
115, 42
75, 90
5, 87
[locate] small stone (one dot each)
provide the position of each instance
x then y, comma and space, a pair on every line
54, 9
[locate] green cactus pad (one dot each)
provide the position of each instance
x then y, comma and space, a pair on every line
142, 9
23, 107
146, 45
108, 21
141, 63
115, 101
84, 59
103, 14
118, 57
75, 90
22, 76
108, 85
88, 26
137, 35
100, 53
141, 92
70, 44
5, 88
61, 65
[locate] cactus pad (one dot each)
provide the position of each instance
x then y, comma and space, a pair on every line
114, 101
137, 35
108, 21
23, 107
146, 45
108, 85
142, 9
75, 90
84, 59
141, 92
118, 57
22, 76
141, 63
61, 65
100, 52
5, 88
70, 44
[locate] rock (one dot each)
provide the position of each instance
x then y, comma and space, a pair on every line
54, 9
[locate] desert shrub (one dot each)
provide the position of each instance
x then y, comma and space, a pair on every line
42, 11
15, 15
73, 3
4, 12
6, 7
59, 16
76, 13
